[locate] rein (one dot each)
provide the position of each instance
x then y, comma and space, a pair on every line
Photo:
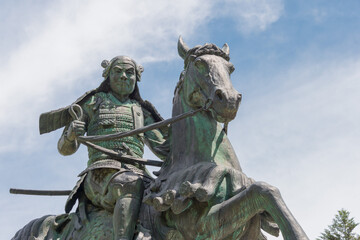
76, 112
142, 129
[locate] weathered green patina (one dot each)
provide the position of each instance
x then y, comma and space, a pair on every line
107, 183
200, 192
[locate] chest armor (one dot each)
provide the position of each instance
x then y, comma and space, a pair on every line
112, 116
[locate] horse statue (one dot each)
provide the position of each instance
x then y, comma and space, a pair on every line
200, 191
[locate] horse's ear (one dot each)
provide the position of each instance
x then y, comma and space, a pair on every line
226, 49
182, 48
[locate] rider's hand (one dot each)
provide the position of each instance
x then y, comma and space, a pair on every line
76, 128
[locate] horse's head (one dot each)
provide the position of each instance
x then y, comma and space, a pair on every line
206, 80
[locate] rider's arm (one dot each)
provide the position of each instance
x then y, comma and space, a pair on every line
67, 143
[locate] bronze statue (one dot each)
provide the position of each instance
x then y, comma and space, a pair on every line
200, 192
116, 106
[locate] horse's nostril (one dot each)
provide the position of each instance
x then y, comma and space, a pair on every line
219, 94
239, 97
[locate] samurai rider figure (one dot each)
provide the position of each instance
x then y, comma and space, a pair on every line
114, 107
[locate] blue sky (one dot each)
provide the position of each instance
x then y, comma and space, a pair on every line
297, 66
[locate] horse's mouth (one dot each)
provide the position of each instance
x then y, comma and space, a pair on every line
222, 118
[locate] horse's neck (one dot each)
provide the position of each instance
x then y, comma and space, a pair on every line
200, 138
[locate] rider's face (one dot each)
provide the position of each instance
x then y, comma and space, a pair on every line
122, 79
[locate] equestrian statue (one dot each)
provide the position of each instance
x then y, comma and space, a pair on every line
200, 191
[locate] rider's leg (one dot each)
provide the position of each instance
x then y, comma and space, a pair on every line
95, 187
128, 189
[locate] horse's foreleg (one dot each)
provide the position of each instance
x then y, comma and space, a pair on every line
235, 212
269, 199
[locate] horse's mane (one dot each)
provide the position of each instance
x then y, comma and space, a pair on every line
207, 49
197, 51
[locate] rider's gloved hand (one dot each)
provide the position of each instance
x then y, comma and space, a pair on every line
76, 128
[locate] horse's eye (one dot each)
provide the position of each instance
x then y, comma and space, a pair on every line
199, 64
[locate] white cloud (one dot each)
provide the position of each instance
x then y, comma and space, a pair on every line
253, 15
319, 15
66, 43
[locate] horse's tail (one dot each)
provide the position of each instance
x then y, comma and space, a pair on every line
36, 229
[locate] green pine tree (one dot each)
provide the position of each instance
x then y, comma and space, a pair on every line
341, 228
